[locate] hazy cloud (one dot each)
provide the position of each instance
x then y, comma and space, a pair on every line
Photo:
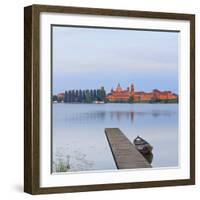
89, 58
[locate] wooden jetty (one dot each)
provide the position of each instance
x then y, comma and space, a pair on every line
125, 154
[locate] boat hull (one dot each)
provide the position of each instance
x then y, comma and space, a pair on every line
142, 145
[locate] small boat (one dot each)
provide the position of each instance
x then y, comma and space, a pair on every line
142, 145
98, 102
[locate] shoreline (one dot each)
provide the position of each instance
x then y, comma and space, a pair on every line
115, 103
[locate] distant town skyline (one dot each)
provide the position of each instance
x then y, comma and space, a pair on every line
113, 88
88, 58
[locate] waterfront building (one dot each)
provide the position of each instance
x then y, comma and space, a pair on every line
120, 95
130, 95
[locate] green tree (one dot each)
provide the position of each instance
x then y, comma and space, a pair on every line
131, 99
92, 95
76, 96
70, 96
54, 98
80, 96
102, 94
73, 96
66, 97
88, 98
98, 95
95, 95
83, 96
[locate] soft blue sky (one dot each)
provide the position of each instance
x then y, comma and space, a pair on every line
88, 58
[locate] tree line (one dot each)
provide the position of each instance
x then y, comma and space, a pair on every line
82, 96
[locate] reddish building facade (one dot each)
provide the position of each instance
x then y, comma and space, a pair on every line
129, 94
60, 97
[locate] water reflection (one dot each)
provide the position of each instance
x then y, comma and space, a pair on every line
149, 157
78, 133
119, 116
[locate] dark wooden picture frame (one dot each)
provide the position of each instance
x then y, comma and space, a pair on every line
32, 98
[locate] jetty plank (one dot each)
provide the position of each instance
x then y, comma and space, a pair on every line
125, 154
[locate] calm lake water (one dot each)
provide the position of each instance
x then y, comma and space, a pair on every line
79, 138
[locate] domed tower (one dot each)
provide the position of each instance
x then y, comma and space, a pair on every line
118, 89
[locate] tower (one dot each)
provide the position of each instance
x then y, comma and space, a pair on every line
118, 89
132, 87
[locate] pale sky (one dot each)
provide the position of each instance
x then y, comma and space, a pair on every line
88, 58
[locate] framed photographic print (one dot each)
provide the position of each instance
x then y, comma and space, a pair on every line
109, 99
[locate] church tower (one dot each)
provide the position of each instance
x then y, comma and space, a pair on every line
132, 87
118, 89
